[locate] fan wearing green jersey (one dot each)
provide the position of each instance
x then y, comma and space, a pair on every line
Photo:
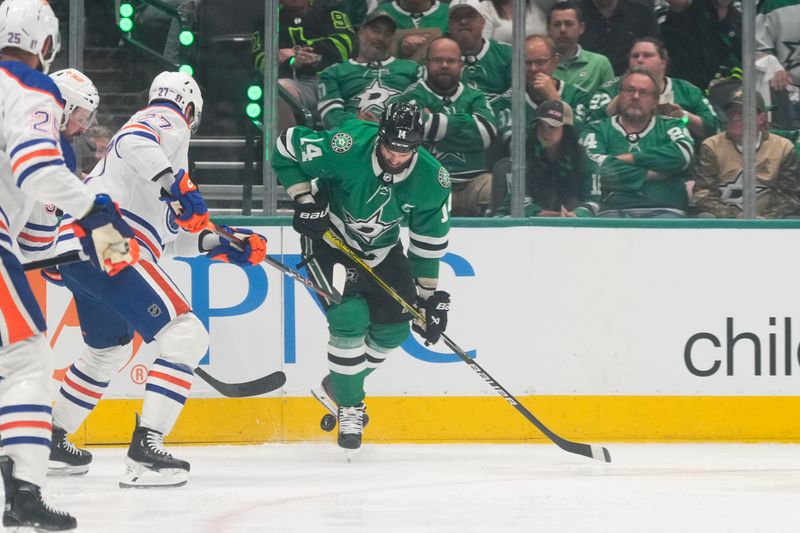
459, 126
361, 87
416, 15
640, 157
362, 181
677, 98
576, 65
541, 61
487, 63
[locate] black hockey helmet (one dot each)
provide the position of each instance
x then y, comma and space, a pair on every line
401, 127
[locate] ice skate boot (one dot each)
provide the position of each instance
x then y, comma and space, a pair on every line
65, 458
351, 426
324, 395
25, 507
149, 464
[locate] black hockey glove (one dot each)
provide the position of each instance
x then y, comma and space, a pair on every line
311, 218
434, 309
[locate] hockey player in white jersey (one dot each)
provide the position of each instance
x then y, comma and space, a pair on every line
32, 170
80, 102
145, 164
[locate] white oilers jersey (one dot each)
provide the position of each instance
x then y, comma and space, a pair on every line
33, 176
152, 145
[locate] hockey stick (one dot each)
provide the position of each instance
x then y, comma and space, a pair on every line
59, 260
256, 387
333, 295
595, 452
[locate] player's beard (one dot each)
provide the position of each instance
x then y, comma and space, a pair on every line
388, 167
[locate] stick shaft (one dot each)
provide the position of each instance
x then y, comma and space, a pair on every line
594, 452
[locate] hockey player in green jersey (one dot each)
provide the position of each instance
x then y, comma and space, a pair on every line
487, 63
361, 87
640, 157
678, 98
362, 181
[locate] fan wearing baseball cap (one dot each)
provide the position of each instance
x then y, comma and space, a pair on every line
718, 189
487, 63
555, 180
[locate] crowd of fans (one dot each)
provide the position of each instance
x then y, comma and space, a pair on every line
626, 115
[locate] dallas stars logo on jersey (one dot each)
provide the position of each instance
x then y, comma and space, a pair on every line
352, 87
370, 228
374, 97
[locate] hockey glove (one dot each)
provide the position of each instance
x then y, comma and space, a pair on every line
251, 251
106, 238
193, 215
434, 309
53, 275
311, 216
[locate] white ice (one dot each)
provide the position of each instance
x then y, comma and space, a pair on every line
310, 488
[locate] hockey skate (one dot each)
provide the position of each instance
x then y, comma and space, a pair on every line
324, 395
65, 458
351, 426
25, 507
149, 465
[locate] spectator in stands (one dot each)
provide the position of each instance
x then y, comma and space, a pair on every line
459, 126
778, 34
499, 24
361, 87
540, 64
311, 37
416, 15
640, 157
704, 38
718, 189
93, 145
577, 66
678, 98
555, 181
613, 25
487, 63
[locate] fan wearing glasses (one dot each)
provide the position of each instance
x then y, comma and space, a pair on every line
639, 159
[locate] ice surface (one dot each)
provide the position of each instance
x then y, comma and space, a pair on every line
310, 488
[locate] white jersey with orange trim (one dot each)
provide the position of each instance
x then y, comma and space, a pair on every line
142, 158
32, 165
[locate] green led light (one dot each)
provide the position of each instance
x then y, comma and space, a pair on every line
253, 110
186, 38
254, 92
186, 69
125, 25
126, 10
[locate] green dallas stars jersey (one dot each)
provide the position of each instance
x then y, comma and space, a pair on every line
682, 93
364, 210
664, 146
577, 98
458, 129
490, 69
435, 17
350, 87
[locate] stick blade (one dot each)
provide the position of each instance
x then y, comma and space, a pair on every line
256, 387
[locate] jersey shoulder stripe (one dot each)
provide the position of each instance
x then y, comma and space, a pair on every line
32, 79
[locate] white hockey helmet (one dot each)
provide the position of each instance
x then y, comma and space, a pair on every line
26, 24
180, 89
77, 91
